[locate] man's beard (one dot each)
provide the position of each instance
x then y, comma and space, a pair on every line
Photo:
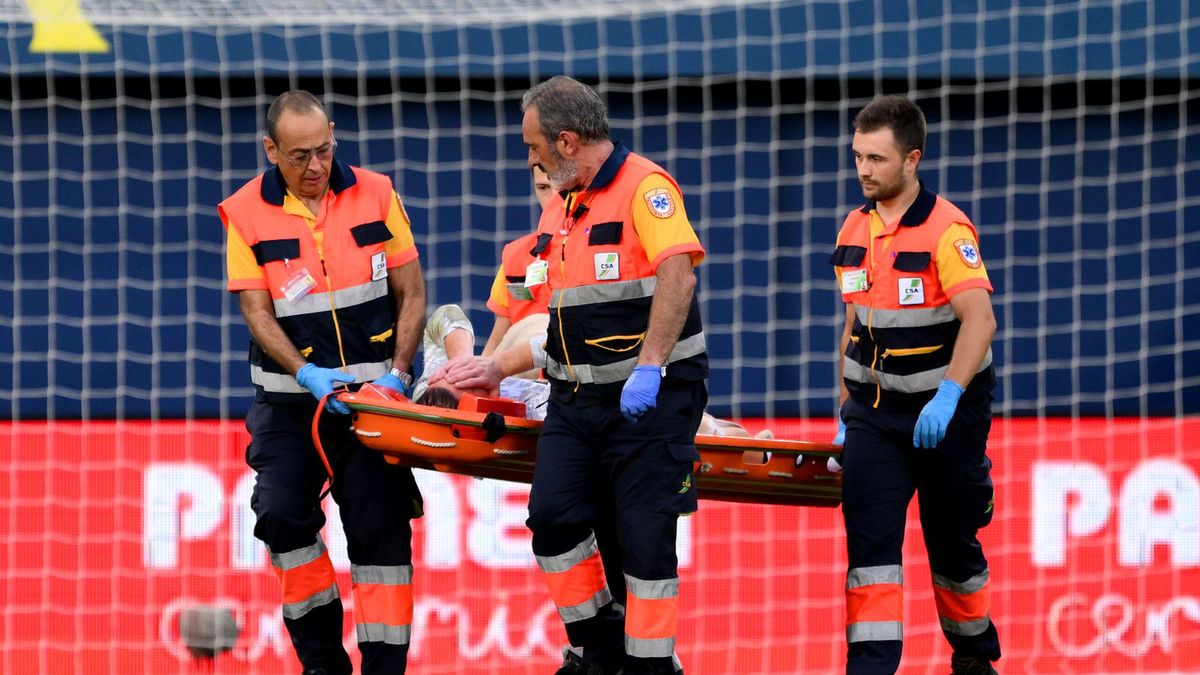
566, 175
886, 191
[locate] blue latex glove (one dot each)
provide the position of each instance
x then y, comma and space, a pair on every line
832, 464
322, 381
935, 416
392, 382
640, 392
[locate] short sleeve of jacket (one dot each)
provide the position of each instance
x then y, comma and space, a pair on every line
240, 265
400, 248
661, 223
837, 271
959, 262
498, 300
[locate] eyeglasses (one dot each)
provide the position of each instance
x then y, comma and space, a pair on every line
303, 157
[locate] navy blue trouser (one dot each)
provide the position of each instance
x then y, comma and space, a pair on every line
953, 485
587, 454
376, 501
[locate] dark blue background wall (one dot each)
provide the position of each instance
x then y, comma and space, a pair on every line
1069, 134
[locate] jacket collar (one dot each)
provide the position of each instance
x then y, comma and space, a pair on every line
608, 170
918, 212
273, 189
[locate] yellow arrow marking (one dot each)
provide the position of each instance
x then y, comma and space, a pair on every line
60, 26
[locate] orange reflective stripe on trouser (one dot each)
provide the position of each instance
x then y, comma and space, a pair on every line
875, 603
963, 607
383, 603
651, 616
307, 578
576, 581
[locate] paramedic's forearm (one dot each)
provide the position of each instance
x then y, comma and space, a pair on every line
259, 312
668, 309
974, 310
409, 290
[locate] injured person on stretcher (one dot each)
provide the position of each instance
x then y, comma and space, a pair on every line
449, 334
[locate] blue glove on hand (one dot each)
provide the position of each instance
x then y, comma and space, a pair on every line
321, 381
392, 382
840, 438
935, 416
640, 392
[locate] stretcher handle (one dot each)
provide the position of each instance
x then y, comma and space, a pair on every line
316, 437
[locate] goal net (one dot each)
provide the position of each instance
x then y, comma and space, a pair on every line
1069, 132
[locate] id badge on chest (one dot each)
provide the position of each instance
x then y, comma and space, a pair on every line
536, 274
298, 285
519, 292
854, 281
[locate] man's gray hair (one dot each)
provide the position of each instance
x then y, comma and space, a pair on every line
296, 101
566, 104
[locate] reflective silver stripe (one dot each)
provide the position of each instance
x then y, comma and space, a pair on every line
879, 574
551, 564
296, 610
381, 632
286, 384
972, 585
398, 575
966, 628
866, 631
611, 292
621, 370
587, 609
314, 303
904, 384
649, 649
657, 589
904, 318
289, 560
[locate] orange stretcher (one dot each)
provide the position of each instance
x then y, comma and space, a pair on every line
491, 438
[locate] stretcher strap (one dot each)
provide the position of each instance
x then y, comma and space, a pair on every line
493, 424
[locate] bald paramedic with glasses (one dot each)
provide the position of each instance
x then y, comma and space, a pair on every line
322, 258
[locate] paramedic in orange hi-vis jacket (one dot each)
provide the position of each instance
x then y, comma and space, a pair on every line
916, 398
626, 360
322, 258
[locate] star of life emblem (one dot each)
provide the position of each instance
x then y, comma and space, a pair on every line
969, 252
660, 202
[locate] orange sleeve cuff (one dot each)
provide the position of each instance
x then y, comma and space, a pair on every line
403, 257
977, 282
236, 285
693, 248
497, 309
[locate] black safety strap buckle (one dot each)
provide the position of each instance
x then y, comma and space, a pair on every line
493, 424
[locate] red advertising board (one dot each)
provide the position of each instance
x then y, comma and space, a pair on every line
112, 528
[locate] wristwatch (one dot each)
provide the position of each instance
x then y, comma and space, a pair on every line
403, 376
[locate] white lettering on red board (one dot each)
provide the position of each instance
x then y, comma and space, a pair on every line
1157, 506
481, 521
1081, 627
264, 634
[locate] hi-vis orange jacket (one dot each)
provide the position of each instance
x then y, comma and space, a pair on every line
904, 328
603, 282
346, 320
520, 300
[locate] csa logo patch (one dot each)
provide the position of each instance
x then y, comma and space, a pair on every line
969, 252
687, 484
912, 291
660, 203
608, 266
